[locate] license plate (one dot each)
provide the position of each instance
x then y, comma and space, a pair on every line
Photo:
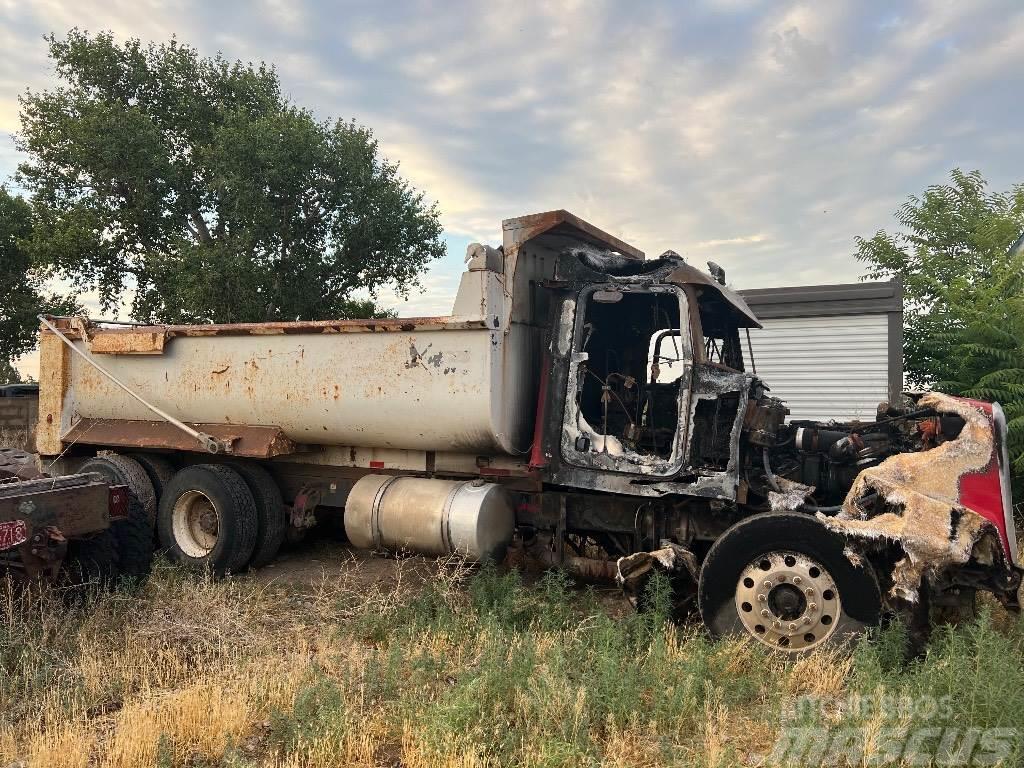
13, 533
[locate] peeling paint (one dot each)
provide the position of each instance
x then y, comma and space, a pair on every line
633, 572
921, 493
790, 496
565, 337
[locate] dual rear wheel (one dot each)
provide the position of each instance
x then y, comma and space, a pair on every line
220, 517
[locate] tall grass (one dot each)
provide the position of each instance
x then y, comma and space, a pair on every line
17, 438
465, 669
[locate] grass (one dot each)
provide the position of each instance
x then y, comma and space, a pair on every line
465, 669
16, 438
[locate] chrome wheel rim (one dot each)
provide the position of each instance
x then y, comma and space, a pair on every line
195, 522
788, 601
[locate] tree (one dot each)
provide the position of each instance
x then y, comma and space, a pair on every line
962, 266
194, 182
8, 373
21, 285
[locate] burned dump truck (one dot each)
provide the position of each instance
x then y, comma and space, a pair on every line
582, 407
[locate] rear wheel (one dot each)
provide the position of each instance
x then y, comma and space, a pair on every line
270, 512
92, 561
208, 519
124, 470
134, 534
159, 470
783, 579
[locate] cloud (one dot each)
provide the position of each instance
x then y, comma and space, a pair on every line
696, 127
743, 240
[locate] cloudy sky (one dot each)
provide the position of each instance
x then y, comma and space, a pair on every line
763, 135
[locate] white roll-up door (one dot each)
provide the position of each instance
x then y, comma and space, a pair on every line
831, 367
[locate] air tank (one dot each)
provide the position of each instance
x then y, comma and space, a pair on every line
471, 518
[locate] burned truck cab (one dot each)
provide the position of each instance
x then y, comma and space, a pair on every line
661, 449
648, 395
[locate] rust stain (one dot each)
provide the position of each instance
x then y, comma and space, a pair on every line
536, 224
260, 442
128, 342
113, 338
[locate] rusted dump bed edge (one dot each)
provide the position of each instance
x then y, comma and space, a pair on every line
384, 325
256, 442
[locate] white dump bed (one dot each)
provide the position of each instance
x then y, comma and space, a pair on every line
462, 383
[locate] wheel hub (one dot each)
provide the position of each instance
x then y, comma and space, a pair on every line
195, 523
788, 600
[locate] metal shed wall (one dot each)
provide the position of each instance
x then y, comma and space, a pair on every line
830, 351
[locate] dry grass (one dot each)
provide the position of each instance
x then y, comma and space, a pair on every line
466, 670
16, 438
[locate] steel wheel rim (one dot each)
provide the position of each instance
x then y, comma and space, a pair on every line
195, 522
788, 601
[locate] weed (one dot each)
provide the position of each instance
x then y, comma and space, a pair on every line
461, 669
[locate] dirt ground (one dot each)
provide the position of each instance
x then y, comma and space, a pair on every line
321, 559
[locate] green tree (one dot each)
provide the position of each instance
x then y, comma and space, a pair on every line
962, 267
196, 184
8, 373
21, 285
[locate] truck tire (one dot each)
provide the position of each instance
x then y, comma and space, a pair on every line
208, 519
134, 534
134, 537
782, 578
92, 561
159, 470
124, 470
270, 512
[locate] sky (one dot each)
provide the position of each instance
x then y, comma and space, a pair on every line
762, 135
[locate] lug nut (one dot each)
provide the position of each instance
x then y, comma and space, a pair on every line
765, 612
782, 577
767, 585
776, 623
807, 619
797, 579
808, 591
761, 598
813, 606
792, 627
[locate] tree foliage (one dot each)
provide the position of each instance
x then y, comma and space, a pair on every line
195, 182
22, 297
962, 268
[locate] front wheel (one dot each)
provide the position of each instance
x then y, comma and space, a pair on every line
784, 580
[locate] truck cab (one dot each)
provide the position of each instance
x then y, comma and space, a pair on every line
648, 391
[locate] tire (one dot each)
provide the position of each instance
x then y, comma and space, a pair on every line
134, 537
159, 470
92, 562
207, 519
124, 470
134, 534
811, 594
270, 512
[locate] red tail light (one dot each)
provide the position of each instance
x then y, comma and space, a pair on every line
118, 503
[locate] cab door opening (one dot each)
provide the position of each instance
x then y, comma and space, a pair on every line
620, 414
